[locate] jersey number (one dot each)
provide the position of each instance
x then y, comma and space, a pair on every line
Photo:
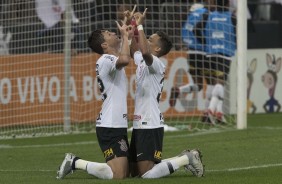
160, 93
100, 83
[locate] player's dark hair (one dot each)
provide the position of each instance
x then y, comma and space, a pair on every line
165, 43
95, 40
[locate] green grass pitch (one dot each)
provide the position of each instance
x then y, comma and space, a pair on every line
234, 156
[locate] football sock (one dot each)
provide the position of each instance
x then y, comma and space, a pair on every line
219, 106
208, 95
217, 95
166, 167
100, 170
213, 104
80, 164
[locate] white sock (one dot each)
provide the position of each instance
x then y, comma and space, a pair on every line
213, 104
208, 95
219, 106
217, 95
81, 164
166, 167
100, 170
218, 91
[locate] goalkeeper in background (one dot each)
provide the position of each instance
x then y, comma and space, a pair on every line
111, 123
148, 124
196, 52
219, 33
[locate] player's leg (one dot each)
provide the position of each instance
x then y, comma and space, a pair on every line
191, 160
224, 68
208, 77
115, 149
195, 62
221, 67
148, 160
145, 150
114, 144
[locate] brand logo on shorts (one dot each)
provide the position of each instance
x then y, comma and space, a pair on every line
158, 155
108, 153
123, 145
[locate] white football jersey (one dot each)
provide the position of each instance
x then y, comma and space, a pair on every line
149, 85
113, 86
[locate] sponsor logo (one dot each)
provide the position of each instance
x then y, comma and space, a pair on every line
218, 34
123, 145
139, 154
109, 57
108, 153
137, 117
219, 19
189, 27
158, 155
218, 47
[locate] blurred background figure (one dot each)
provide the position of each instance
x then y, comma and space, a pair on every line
233, 9
51, 14
269, 10
4, 41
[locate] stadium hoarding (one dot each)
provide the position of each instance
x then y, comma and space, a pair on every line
32, 87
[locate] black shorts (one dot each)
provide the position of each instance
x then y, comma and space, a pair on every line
146, 144
197, 64
219, 67
113, 142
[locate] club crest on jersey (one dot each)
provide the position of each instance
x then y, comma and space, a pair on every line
123, 145
137, 117
124, 116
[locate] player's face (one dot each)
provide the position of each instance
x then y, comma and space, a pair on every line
154, 43
111, 38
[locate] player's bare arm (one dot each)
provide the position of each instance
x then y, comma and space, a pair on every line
128, 16
143, 42
124, 55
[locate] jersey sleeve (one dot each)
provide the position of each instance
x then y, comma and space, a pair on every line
157, 66
107, 64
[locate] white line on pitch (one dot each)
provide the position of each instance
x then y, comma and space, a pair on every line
47, 145
246, 168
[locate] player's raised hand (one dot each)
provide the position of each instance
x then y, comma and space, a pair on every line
130, 30
128, 15
139, 18
123, 28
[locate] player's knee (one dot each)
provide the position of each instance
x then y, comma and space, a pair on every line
120, 174
218, 91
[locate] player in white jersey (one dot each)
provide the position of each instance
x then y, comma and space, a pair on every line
111, 127
147, 135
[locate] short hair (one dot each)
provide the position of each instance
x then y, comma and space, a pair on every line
165, 43
95, 40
